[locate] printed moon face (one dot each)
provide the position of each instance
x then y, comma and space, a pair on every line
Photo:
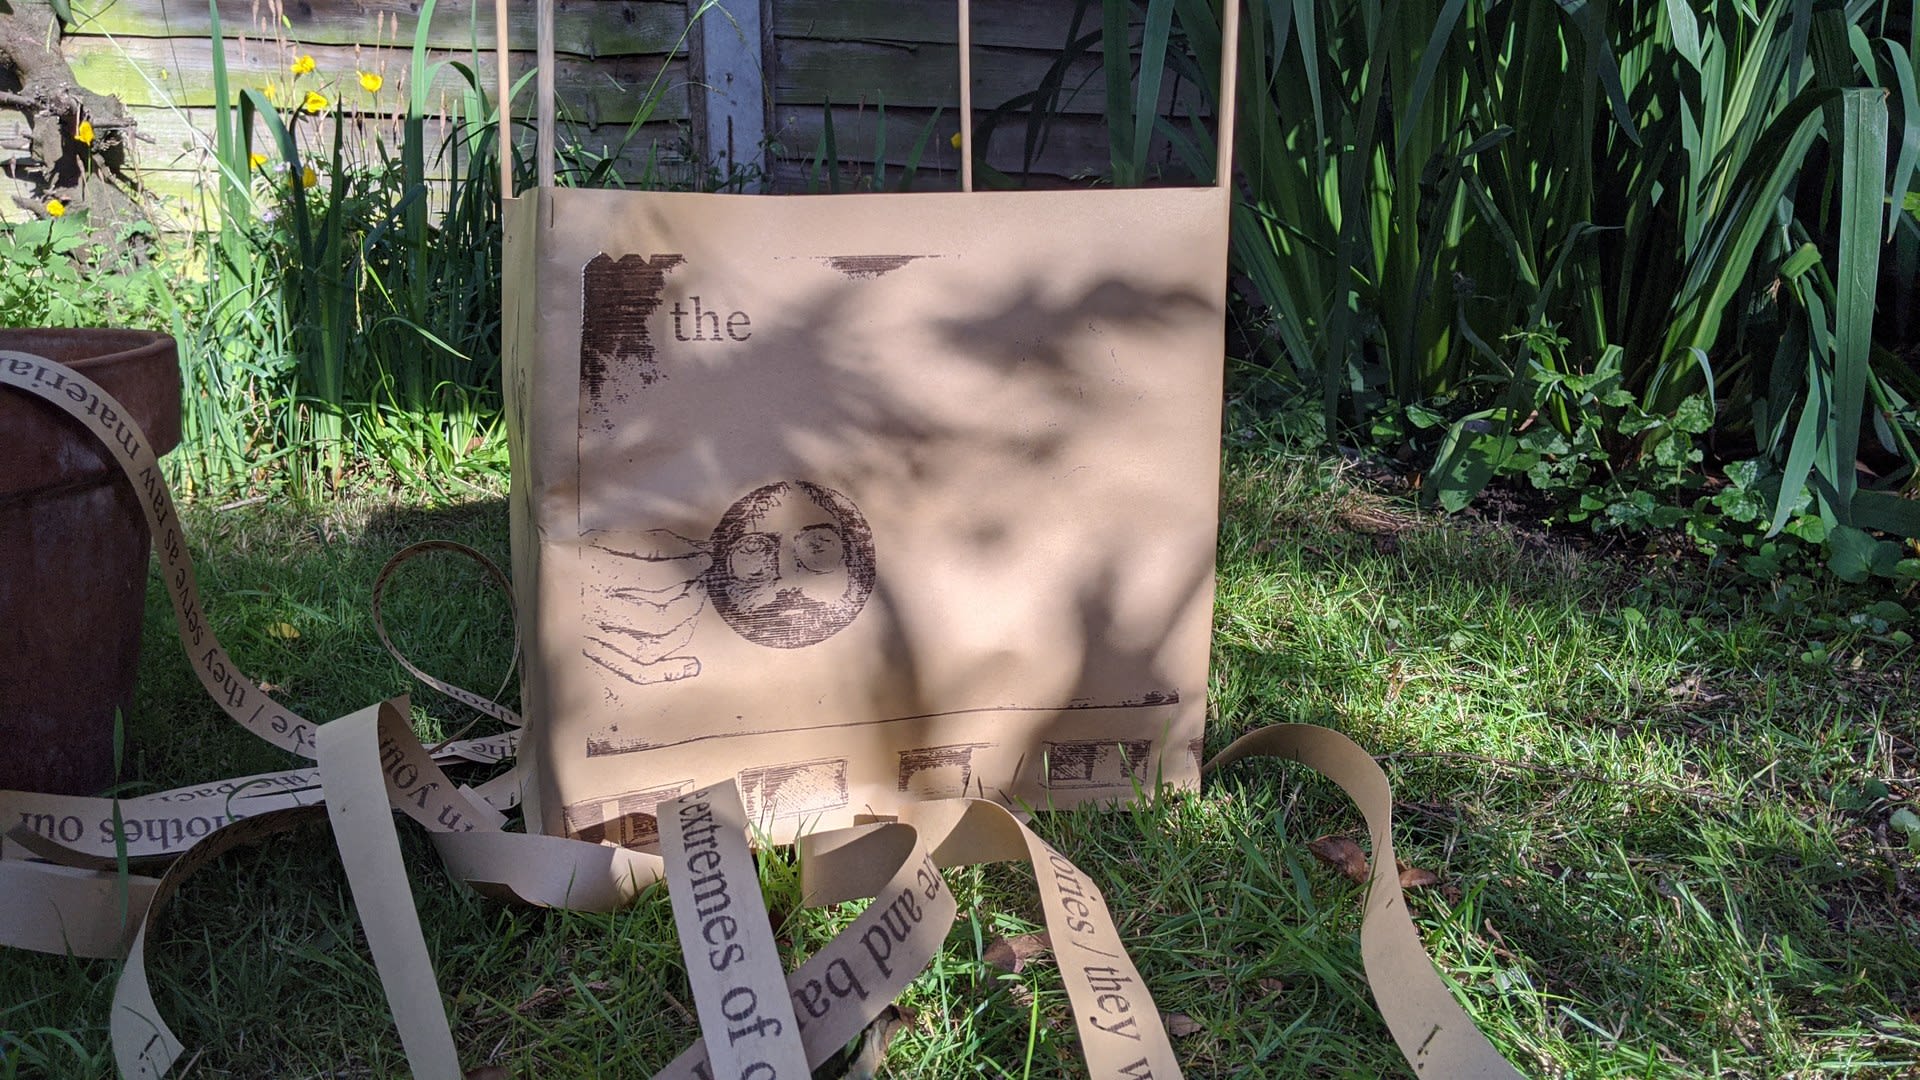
793, 564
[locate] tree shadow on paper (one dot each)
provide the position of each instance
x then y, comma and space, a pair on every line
913, 477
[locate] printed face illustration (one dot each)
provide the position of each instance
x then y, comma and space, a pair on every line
792, 564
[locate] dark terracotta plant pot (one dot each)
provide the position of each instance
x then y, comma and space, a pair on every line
73, 559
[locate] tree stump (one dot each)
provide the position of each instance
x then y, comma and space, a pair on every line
56, 160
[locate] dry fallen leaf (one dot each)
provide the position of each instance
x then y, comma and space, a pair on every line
1180, 1025
1011, 954
865, 1062
548, 996
1413, 877
1343, 855
285, 631
1273, 987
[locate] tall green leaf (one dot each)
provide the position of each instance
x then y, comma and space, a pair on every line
1863, 165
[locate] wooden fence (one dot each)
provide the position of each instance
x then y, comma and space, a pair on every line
743, 87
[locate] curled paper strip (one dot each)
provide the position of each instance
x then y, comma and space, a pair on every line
478, 702
733, 964
1120, 1031
57, 893
68, 909
838, 991
1431, 1028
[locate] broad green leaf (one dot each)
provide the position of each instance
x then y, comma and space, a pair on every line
419, 74
1793, 478
1887, 611
1809, 528
1906, 821
1116, 51
830, 148
1429, 64
1153, 63
1797, 34
1694, 416
1854, 555
1804, 258
1600, 59
1686, 32
1902, 176
1887, 513
1863, 143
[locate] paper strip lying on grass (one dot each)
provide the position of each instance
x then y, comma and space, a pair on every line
833, 996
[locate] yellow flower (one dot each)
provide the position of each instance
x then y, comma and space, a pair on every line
56, 208
270, 94
308, 177
254, 161
955, 141
371, 82
84, 133
314, 103
303, 65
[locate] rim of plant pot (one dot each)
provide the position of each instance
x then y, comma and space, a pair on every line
42, 447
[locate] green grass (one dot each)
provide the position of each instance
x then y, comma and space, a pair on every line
1662, 836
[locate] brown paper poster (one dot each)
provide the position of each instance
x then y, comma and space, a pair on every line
868, 499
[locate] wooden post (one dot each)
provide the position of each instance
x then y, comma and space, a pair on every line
733, 88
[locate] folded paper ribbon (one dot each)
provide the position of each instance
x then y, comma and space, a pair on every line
61, 891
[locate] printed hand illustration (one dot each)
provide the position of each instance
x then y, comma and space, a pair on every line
641, 623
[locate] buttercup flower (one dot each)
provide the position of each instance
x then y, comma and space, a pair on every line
303, 65
84, 133
254, 161
308, 177
271, 96
56, 208
314, 103
371, 82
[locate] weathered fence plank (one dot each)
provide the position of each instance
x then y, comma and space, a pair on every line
584, 27
179, 72
1073, 147
1018, 24
728, 100
751, 79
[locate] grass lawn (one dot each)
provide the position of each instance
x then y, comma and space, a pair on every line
1662, 834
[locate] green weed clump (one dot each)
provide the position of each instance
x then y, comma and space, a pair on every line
58, 271
352, 285
1653, 260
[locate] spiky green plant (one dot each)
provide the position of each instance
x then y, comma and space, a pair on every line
1694, 203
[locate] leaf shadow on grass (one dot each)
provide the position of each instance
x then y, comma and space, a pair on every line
1630, 813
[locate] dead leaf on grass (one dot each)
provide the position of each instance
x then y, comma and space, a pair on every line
1413, 877
1011, 954
548, 996
1273, 987
864, 1064
1343, 855
1180, 1025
